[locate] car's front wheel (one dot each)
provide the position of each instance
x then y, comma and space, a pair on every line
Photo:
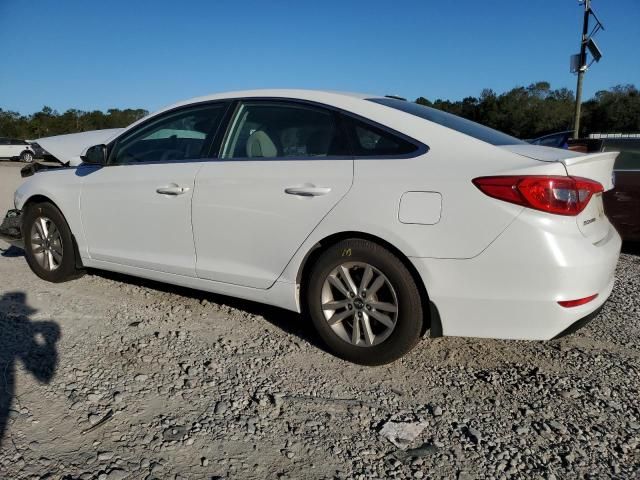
26, 156
364, 303
48, 243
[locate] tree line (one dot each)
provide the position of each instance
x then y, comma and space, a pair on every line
524, 112
529, 112
48, 122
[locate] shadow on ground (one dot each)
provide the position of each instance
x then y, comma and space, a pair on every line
290, 322
11, 252
33, 343
631, 248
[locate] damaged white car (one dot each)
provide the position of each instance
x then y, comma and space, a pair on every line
379, 218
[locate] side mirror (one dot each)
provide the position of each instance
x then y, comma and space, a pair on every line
96, 155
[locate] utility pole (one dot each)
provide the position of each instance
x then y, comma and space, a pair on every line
582, 67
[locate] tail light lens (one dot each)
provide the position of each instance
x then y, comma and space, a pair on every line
548, 193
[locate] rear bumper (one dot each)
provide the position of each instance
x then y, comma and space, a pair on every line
11, 228
512, 289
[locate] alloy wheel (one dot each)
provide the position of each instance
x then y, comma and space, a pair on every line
46, 243
360, 304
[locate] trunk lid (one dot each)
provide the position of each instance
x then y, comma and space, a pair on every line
592, 221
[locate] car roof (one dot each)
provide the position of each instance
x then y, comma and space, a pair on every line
323, 96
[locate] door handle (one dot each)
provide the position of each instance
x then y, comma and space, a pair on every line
172, 190
307, 191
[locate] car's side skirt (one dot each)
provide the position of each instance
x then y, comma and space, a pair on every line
280, 294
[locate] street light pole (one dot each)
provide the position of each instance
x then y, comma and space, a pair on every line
582, 68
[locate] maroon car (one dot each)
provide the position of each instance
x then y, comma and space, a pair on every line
622, 204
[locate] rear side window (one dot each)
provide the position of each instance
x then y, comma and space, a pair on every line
629, 158
266, 129
370, 141
459, 124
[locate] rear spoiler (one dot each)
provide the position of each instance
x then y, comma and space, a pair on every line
596, 166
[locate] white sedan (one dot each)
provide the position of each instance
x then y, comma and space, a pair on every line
378, 218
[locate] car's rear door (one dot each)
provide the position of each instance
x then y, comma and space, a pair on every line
136, 211
284, 165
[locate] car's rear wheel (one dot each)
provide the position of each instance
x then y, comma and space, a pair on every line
48, 243
364, 302
26, 156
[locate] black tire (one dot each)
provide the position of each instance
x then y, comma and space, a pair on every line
66, 269
408, 325
27, 157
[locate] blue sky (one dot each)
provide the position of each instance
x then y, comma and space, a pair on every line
113, 53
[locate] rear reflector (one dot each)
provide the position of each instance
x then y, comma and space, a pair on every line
547, 193
577, 303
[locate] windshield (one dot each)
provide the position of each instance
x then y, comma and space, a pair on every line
448, 120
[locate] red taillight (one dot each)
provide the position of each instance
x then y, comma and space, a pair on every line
548, 193
578, 302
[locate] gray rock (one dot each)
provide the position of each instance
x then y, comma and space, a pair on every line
94, 418
401, 434
104, 456
221, 407
557, 426
173, 434
117, 474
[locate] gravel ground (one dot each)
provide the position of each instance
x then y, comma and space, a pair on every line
117, 377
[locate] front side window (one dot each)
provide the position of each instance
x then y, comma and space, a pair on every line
182, 135
262, 130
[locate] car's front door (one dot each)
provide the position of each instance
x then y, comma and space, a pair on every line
136, 211
283, 167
